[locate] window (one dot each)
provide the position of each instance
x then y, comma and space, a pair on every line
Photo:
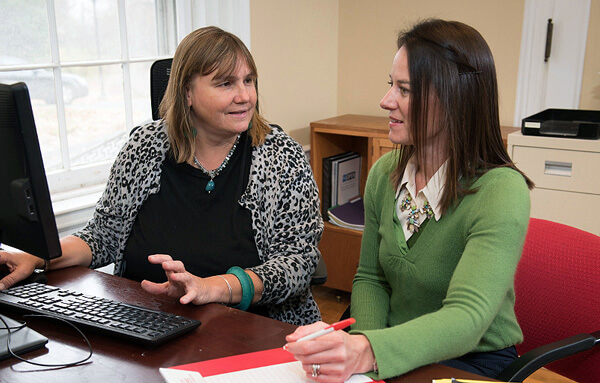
87, 63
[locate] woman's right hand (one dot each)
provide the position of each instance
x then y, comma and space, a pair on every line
180, 283
18, 265
336, 355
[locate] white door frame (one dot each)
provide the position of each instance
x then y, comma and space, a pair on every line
556, 83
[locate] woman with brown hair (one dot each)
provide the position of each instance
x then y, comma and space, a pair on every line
446, 215
210, 203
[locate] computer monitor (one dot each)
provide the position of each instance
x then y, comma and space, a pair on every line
26, 216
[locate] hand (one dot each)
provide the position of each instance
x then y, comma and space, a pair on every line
338, 353
18, 265
180, 283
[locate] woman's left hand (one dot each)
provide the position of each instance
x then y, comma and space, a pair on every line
180, 283
335, 356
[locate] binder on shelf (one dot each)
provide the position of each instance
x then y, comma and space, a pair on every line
350, 215
347, 179
329, 180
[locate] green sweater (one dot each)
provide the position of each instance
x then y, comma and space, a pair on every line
452, 291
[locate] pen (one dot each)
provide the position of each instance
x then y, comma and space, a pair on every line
336, 326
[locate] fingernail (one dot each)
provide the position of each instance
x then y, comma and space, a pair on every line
285, 347
1, 286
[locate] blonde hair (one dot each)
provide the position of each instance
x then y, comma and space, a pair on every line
202, 52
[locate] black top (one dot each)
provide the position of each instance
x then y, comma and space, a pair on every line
208, 232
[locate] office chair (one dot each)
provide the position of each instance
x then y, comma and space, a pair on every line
319, 277
557, 287
160, 71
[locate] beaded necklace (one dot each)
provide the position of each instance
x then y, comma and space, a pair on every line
414, 213
210, 186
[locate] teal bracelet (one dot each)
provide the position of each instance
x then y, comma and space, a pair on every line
247, 287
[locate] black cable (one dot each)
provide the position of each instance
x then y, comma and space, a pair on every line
8, 330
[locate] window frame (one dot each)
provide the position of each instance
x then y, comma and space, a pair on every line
67, 181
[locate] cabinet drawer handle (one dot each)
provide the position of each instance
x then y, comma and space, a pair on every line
554, 168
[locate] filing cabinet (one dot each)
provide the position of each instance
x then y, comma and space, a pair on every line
566, 172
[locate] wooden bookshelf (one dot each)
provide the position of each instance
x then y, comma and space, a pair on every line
368, 136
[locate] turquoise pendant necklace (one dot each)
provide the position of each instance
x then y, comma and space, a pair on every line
210, 186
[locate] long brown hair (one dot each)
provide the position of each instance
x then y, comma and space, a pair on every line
202, 52
451, 63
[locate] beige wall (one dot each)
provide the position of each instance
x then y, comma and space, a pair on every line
590, 86
322, 58
368, 44
295, 46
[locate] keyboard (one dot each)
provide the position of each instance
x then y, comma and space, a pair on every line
120, 320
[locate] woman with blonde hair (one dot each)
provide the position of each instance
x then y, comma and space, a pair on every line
210, 203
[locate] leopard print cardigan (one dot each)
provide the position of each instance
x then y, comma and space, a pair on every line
281, 195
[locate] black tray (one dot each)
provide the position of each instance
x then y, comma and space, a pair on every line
570, 123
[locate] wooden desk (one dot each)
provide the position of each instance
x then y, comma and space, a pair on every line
368, 136
224, 332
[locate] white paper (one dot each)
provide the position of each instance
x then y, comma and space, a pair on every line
291, 372
171, 375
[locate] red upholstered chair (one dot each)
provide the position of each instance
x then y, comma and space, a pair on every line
558, 303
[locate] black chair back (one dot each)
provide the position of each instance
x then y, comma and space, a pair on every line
159, 78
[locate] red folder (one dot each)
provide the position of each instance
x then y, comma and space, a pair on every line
239, 362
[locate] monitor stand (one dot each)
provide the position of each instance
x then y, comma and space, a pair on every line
21, 341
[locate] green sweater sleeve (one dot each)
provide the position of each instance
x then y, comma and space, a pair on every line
452, 293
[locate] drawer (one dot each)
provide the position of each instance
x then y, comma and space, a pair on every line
574, 209
380, 147
558, 169
340, 249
